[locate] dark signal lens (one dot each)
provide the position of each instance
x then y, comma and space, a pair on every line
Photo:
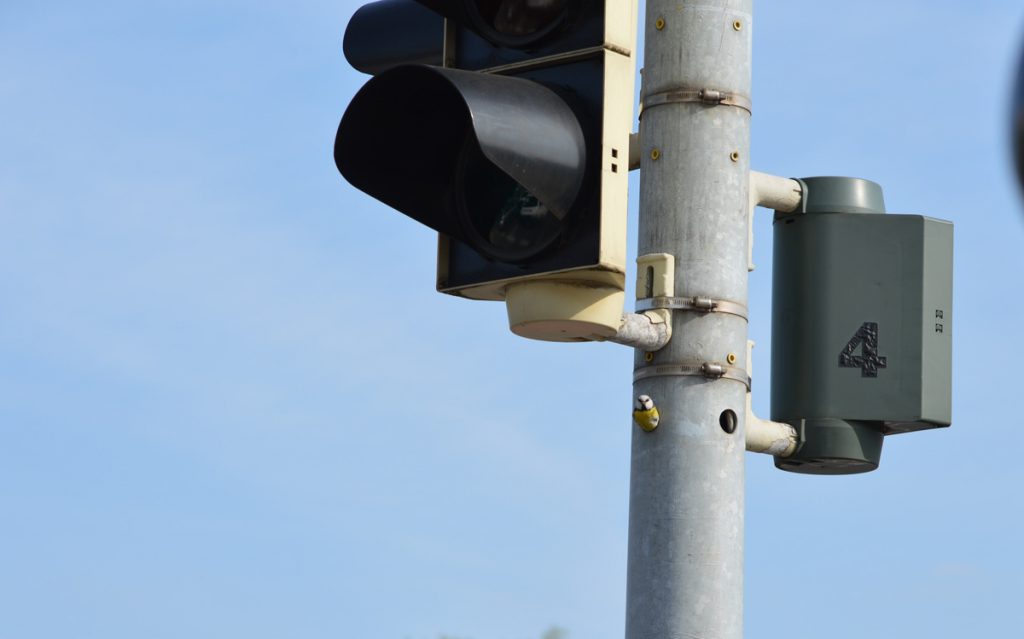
514, 22
505, 221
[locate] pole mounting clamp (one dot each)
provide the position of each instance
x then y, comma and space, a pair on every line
707, 97
695, 303
708, 370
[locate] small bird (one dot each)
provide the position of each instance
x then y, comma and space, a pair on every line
645, 413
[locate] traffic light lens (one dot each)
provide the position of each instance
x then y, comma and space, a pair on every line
506, 221
522, 19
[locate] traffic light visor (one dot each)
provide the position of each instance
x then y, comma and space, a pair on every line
497, 162
389, 33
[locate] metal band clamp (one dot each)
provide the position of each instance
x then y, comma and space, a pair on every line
707, 97
697, 303
709, 370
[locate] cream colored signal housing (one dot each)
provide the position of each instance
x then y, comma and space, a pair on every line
585, 303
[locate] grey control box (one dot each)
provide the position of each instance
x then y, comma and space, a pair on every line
862, 321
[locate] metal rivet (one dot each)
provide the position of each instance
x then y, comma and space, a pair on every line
659, 24
735, 156
648, 357
736, 24
655, 154
731, 358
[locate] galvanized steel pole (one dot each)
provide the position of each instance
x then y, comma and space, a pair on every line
685, 574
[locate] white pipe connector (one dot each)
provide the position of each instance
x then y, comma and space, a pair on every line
763, 435
769, 191
648, 331
780, 194
652, 329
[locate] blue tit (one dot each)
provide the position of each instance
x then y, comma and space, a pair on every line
645, 413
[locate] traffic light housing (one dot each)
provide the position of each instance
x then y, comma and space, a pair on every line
515, 150
862, 324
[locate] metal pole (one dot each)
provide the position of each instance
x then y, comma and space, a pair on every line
685, 573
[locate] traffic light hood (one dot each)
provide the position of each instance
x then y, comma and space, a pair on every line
412, 136
389, 33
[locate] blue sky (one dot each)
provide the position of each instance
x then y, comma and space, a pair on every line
231, 403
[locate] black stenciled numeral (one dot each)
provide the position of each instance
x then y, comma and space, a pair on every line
868, 361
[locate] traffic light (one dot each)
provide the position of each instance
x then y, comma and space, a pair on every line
862, 323
515, 150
